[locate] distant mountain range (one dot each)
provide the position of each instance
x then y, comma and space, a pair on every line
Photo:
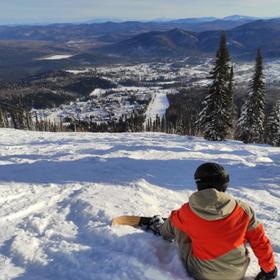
185, 20
108, 31
240, 18
237, 18
21, 47
13, 22
156, 44
242, 41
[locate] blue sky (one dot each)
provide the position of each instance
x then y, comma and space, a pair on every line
65, 10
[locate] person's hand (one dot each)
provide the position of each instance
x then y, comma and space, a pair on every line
155, 224
267, 275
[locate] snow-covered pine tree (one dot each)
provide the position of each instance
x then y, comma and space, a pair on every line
163, 124
215, 119
251, 121
158, 125
231, 116
273, 126
2, 123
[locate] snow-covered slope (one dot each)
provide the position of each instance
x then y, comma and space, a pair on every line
158, 105
59, 192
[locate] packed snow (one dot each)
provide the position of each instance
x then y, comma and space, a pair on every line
76, 72
60, 191
57, 57
158, 105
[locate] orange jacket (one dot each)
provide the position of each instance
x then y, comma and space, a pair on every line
215, 238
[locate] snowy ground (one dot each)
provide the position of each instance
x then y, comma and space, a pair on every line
56, 57
59, 192
158, 105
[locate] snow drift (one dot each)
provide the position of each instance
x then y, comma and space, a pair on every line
59, 192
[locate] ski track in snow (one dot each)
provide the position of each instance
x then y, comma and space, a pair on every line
59, 192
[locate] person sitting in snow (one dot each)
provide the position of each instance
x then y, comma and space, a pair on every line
212, 230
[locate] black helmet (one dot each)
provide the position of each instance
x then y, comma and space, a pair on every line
211, 175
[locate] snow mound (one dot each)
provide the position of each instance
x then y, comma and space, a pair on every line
60, 191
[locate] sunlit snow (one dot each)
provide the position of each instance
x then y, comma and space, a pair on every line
158, 105
59, 192
56, 57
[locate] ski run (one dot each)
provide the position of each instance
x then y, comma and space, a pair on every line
60, 191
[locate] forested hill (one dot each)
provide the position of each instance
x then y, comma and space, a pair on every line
242, 41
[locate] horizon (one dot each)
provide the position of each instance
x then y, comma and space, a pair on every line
117, 20
71, 11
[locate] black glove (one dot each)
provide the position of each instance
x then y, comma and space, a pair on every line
267, 275
155, 224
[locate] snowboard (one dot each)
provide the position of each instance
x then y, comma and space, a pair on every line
141, 222
134, 221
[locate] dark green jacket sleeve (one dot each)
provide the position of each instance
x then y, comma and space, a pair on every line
167, 230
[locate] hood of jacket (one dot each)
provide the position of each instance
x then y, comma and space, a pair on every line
211, 204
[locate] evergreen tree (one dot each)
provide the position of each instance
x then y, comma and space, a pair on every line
179, 127
231, 116
158, 125
2, 122
163, 124
215, 119
150, 125
251, 121
273, 126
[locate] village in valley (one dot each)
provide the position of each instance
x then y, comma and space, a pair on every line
143, 88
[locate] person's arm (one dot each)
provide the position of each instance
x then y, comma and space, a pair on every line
167, 230
261, 247
170, 233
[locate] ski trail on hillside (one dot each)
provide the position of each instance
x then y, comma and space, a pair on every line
157, 106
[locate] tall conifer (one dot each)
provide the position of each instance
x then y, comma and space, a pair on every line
273, 126
215, 119
251, 121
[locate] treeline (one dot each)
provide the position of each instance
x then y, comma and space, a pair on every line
181, 115
133, 123
16, 116
218, 118
217, 114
